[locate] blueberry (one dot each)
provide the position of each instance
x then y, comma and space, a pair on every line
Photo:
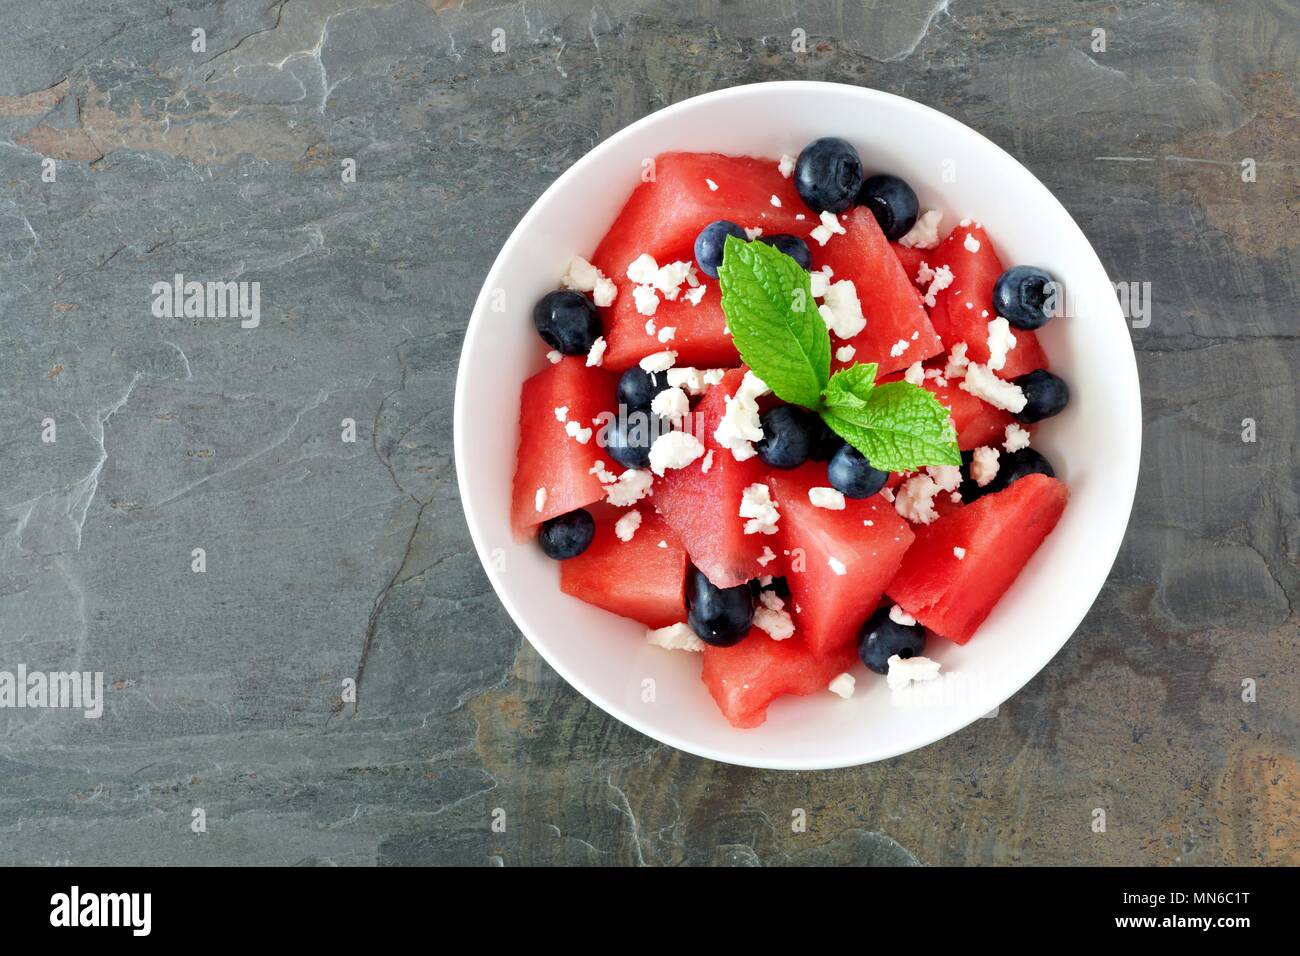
787, 436
629, 436
792, 246
709, 244
892, 202
637, 388
825, 443
1025, 296
720, 616
568, 535
1011, 467
567, 321
828, 175
851, 474
1047, 394
882, 637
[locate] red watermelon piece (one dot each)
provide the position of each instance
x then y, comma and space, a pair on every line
746, 678
830, 606
890, 300
910, 258
699, 338
636, 578
999, 532
704, 509
549, 458
977, 422
974, 275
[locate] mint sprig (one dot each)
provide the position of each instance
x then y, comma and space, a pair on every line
767, 299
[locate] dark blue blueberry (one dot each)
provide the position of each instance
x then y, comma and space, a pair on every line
892, 202
720, 616
792, 246
825, 443
851, 474
828, 175
1047, 394
709, 245
787, 436
568, 535
629, 436
1025, 296
567, 321
882, 637
637, 387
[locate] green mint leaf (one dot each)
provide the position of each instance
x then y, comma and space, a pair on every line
767, 299
897, 426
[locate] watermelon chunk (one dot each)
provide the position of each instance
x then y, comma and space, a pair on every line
830, 607
636, 578
977, 422
699, 339
974, 275
746, 678
910, 258
704, 509
999, 532
549, 458
890, 300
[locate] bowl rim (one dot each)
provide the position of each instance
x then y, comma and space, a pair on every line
1125, 485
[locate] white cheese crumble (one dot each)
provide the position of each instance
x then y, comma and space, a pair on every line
658, 361
693, 296
671, 404
554, 357
707, 462
667, 333
984, 465
841, 310
957, 362
971, 243
650, 327
643, 269
646, 299
772, 617
662, 544
830, 226
766, 558
757, 506
675, 637
597, 353
775, 201
903, 671
827, 498
603, 474
942, 278
899, 616
786, 165
1001, 341
982, 383
924, 273
674, 450
669, 278
693, 380
837, 566
630, 487
924, 234
752, 233
899, 347
582, 276
819, 281
843, 685
713, 187
740, 426
959, 553
915, 373
539, 499
577, 432
626, 526
845, 353
561, 413
1016, 438
915, 499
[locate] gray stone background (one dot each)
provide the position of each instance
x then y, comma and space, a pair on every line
224, 687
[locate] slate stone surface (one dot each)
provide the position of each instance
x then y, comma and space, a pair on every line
174, 434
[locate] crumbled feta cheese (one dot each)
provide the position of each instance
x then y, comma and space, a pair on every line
675, 637
941, 280
539, 500
959, 553
707, 463
674, 450
668, 279
603, 475
689, 380
957, 362
843, 685
830, 226
924, 234
837, 566
713, 187
955, 497
658, 361
984, 465
971, 243
626, 526
947, 477
597, 353
899, 616
561, 413
819, 281
650, 328
827, 498
643, 269
766, 557
915, 499
982, 383
899, 347
841, 310
667, 332
786, 165
630, 487
771, 616
924, 273
671, 404
584, 277
752, 233
965, 222
1016, 438
756, 504
902, 671
915, 373
740, 425
1001, 341
577, 432
605, 293
693, 296
845, 353
554, 357
646, 299
662, 544
712, 376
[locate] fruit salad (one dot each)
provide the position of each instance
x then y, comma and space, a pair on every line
785, 420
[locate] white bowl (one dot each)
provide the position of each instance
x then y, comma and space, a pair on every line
1094, 445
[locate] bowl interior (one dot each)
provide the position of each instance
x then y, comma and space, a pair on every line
1093, 445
